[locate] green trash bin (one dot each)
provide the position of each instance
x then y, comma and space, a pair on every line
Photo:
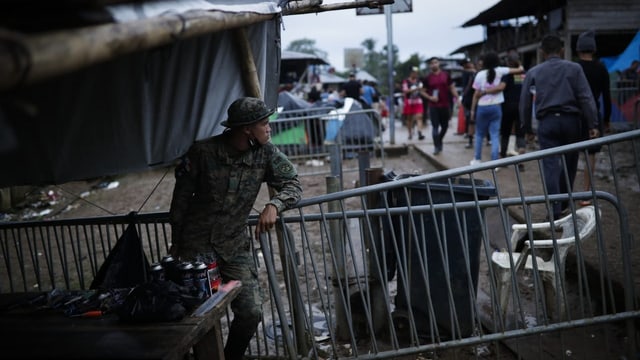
436, 254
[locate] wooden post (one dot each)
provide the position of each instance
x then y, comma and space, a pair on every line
250, 78
340, 295
42, 56
378, 305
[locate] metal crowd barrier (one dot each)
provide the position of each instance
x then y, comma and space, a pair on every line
410, 265
624, 97
315, 138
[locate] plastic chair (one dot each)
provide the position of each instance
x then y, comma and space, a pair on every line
585, 223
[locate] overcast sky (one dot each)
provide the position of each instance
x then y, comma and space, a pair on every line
432, 29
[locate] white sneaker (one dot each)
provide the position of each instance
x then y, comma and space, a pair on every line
475, 162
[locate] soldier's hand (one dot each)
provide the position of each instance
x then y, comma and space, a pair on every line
594, 133
266, 220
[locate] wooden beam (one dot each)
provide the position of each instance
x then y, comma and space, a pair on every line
337, 6
250, 78
27, 59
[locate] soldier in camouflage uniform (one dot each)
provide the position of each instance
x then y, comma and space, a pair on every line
217, 183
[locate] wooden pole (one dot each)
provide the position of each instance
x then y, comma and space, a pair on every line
336, 236
32, 58
250, 78
312, 7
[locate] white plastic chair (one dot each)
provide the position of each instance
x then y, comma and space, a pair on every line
585, 222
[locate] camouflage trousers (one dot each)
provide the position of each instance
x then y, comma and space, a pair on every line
248, 303
246, 307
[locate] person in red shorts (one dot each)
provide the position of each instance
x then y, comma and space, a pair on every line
412, 110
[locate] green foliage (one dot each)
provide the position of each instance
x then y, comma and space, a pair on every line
307, 46
404, 68
375, 62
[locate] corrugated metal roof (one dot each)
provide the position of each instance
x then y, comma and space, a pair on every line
309, 59
511, 9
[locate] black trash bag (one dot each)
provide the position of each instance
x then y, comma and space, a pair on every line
157, 301
126, 266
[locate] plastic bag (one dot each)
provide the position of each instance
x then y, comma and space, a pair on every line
126, 266
157, 301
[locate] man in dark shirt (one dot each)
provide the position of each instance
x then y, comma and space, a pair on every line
564, 104
598, 78
468, 73
510, 114
352, 88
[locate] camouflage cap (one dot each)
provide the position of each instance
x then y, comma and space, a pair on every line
246, 111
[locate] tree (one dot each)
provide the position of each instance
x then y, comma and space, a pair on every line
372, 58
404, 68
383, 74
307, 46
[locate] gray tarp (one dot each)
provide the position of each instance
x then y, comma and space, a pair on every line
131, 113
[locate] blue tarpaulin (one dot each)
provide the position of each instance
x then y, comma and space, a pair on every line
623, 61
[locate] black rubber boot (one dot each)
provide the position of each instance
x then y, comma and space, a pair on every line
240, 334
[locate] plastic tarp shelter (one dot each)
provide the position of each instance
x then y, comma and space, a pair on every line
349, 126
364, 75
283, 133
139, 110
623, 61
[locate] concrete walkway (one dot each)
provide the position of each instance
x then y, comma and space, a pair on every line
454, 153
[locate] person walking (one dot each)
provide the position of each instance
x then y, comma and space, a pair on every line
368, 92
510, 114
564, 104
440, 90
352, 88
487, 103
598, 78
468, 73
217, 183
413, 107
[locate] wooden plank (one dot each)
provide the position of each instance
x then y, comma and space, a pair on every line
56, 53
210, 346
59, 336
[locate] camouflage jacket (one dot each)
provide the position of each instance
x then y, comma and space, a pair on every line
216, 189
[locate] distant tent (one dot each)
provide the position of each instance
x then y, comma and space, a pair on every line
327, 78
289, 133
363, 75
623, 104
349, 126
288, 102
358, 129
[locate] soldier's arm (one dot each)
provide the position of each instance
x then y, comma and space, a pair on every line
282, 176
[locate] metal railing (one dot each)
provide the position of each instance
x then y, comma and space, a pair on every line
318, 138
625, 94
403, 265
